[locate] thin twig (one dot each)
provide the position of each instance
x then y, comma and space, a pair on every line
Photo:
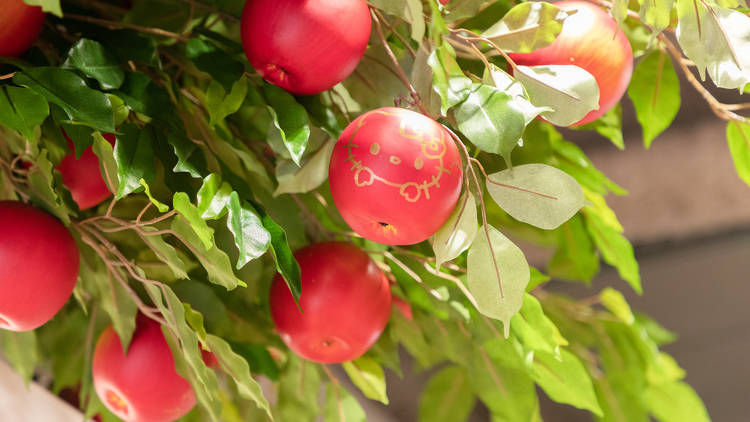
123, 25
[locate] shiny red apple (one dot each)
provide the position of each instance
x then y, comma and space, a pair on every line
141, 385
20, 25
305, 46
38, 266
83, 176
395, 176
346, 302
591, 40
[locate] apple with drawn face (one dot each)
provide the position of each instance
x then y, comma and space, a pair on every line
20, 25
395, 176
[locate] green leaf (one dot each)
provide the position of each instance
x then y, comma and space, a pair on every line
105, 152
738, 136
213, 259
166, 253
616, 250
299, 386
135, 158
410, 10
458, 232
609, 125
497, 280
534, 330
220, 105
22, 109
91, 58
340, 406
20, 348
527, 27
568, 90
447, 396
222, 67
619, 11
237, 368
448, 79
313, 173
162, 207
290, 118
716, 39
368, 376
537, 194
49, 6
187, 352
675, 402
286, 265
213, 197
251, 238
491, 120
616, 303
42, 182
181, 203
655, 92
575, 257
656, 14
64, 88
565, 380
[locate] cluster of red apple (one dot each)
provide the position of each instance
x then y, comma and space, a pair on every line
395, 176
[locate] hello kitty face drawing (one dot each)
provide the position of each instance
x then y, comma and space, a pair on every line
426, 157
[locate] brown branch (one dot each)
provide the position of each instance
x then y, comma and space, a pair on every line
122, 25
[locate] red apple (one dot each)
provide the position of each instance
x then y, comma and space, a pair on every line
591, 40
38, 266
346, 302
20, 25
83, 177
210, 359
141, 385
305, 46
395, 176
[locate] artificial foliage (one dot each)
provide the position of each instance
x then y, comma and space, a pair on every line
217, 176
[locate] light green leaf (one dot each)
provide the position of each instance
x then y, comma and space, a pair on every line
568, 90
314, 171
655, 92
717, 40
537, 194
22, 109
213, 197
656, 14
162, 207
107, 163
213, 259
458, 232
290, 118
489, 118
181, 203
447, 396
341, 406
409, 10
615, 248
368, 376
534, 330
20, 348
42, 182
609, 125
738, 136
675, 402
134, 156
575, 257
422, 79
166, 253
527, 27
49, 6
565, 380
448, 79
497, 280
251, 238
64, 88
95, 61
237, 368
219, 104
616, 303
299, 385
619, 11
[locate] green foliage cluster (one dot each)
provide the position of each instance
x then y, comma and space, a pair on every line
218, 176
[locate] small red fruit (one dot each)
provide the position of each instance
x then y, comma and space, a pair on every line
142, 385
395, 176
210, 359
83, 177
591, 40
305, 46
20, 25
346, 302
403, 307
38, 266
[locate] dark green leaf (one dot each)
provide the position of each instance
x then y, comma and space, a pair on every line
91, 58
615, 248
222, 67
135, 158
575, 257
22, 109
